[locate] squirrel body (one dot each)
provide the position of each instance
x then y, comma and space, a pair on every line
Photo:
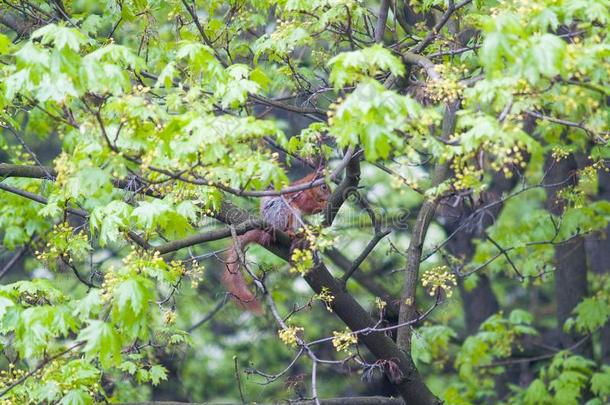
284, 213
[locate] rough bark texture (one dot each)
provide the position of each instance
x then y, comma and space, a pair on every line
408, 306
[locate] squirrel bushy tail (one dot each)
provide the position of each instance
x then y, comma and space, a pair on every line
233, 278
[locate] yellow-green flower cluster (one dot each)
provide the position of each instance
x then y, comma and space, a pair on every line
448, 88
439, 279
111, 279
169, 317
289, 335
560, 153
62, 169
195, 273
467, 175
302, 261
444, 90
380, 304
64, 243
326, 297
318, 238
343, 340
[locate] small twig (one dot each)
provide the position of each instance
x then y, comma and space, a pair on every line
210, 315
238, 379
567, 123
39, 367
27, 148
367, 250
76, 273
193, 12
491, 205
505, 253
451, 8
16, 257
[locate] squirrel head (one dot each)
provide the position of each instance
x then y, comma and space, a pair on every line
312, 200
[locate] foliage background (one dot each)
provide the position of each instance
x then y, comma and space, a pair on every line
480, 127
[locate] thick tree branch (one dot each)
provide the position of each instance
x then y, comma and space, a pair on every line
33, 172
410, 384
452, 8
408, 308
411, 58
40, 199
48, 173
369, 283
348, 184
14, 22
382, 18
210, 236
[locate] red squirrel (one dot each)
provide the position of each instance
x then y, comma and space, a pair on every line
282, 213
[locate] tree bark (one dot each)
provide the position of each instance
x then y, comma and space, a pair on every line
408, 307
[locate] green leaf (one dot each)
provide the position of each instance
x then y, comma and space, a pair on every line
129, 367
260, 77
537, 393
350, 67
165, 78
60, 36
520, 316
76, 397
33, 54
109, 220
101, 341
592, 313
133, 293
5, 303
88, 306
157, 373
600, 382
148, 212
548, 53
5, 44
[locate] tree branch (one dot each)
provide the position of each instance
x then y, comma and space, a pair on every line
408, 308
367, 251
370, 284
411, 58
210, 236
382, 18
410, 383
452, 8
567, 123
348, 184
48, 173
